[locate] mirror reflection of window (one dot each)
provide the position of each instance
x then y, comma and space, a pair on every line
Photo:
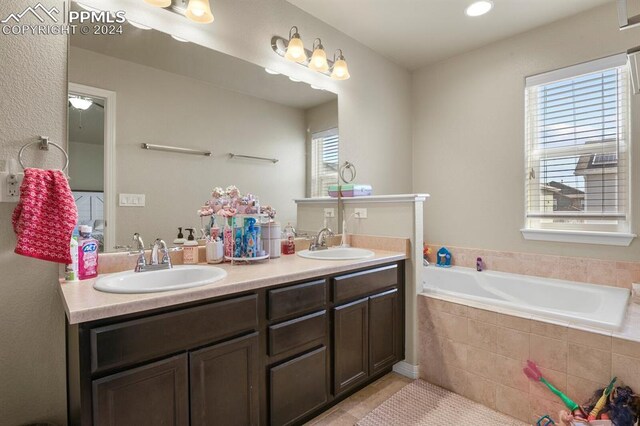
86, 161
324, 161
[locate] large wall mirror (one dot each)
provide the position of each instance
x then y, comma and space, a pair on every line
145, 87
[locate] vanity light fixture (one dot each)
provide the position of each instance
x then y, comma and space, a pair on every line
159, 3
199, 11
79, 103
137, 25
340, 70
479, 8
318, 60
295, 48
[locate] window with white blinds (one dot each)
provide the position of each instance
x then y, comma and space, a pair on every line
324, 161
577, 148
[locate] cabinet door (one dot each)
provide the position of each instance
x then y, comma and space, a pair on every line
351, 344
383, 330
224, 383
298, 387
154, 394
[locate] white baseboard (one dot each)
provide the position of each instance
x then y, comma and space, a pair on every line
408, 370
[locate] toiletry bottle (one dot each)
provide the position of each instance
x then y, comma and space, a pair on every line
190, 249
227, 239
288, 240
180, 238
250, 237
71, 270
87, 254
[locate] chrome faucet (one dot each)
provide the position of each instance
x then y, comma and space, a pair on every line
320, 240
165, 263
159, 246
141, 263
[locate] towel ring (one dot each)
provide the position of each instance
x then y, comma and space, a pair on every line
352, 169
44, 146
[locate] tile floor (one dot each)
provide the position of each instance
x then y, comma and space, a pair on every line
358, 405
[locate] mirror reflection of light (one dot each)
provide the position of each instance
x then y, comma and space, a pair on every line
272, 72
295, 80
180, 39
81, 104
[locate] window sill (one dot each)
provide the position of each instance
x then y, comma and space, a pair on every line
581, 237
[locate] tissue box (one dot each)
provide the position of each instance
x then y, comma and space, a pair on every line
350, 190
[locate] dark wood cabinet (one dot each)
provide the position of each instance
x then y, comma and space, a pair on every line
298, 387
384, 334
224, 383
351, 344
155, 394
272, 356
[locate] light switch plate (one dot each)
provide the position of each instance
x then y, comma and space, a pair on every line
360, 213
10, 187
329, 212
131, 200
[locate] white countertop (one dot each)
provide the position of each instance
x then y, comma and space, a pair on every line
83, 303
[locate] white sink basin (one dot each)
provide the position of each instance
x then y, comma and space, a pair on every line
337, 253
177, 278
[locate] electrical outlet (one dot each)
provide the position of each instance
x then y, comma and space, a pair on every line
10, 187
329, 212
360, 213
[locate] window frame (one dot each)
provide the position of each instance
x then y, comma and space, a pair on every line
322, 177
577, 233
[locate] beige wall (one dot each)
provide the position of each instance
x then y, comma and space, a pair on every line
86, 166
468, 134
159, 107
374, 123
32, 352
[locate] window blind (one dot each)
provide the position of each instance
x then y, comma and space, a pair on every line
577, 165
324, 161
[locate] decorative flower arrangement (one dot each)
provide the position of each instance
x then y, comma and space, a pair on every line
227, 203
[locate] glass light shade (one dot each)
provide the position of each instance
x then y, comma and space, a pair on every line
318, 61
295, 50
340, 70
159, 3
199, 11
80, 103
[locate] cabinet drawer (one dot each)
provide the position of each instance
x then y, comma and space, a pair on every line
296, 299
126, 343
298, 387
297, 332
362, 283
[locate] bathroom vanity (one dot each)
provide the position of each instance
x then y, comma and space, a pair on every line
278, 353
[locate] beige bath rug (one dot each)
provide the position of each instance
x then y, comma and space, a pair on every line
421, 403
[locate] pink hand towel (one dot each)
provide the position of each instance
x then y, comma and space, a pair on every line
45, 216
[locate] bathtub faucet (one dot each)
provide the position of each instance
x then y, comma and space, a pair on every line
479, 264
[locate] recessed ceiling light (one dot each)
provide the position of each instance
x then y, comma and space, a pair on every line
295, 80
479, 8
272, 72
180, 39
137, 25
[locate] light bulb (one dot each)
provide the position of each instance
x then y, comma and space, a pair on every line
199, 11
340, 69
159, 3
479, 8
318, 60
295, 48
80, 103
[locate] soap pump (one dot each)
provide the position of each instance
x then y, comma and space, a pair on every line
180, 238
190, 249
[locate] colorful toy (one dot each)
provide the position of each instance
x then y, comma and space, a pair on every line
533, 372
443, 258
593, 414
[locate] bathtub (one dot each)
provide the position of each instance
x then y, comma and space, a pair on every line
579, 304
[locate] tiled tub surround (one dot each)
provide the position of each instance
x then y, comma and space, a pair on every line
480, 354
580, 269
